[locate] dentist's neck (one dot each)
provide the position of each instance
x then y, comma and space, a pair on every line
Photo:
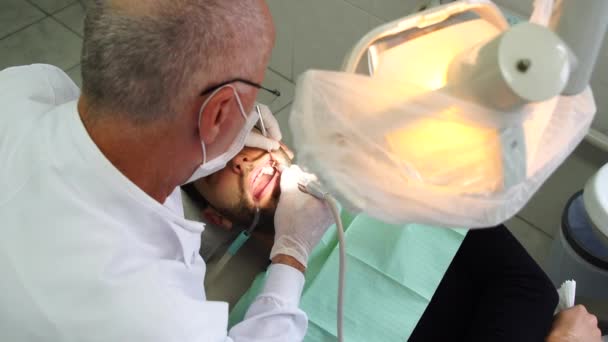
144, 153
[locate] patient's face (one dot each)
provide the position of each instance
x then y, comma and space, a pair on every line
251, 179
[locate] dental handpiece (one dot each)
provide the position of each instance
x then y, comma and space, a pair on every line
310, 187
314, 189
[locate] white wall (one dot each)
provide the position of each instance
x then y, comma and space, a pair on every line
319, 33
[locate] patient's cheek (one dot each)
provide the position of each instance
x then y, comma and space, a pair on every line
227, 183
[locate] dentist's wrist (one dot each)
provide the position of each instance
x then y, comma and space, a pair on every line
289, 261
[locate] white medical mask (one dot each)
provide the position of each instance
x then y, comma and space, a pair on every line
219, 162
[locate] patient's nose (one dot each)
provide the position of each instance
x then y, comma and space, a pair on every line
240, 163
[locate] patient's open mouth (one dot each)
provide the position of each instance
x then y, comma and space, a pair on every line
264, 180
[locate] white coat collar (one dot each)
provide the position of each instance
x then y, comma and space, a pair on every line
188, 232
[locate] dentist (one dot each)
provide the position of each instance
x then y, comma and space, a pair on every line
94, 243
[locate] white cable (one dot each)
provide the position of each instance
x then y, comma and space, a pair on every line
333, 205
315, 189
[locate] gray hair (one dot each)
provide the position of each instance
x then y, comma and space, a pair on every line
143, 62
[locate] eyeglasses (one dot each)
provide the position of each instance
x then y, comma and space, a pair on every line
212, 88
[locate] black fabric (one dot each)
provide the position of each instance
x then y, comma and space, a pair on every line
492, 291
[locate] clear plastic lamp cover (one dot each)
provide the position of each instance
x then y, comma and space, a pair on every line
403, 153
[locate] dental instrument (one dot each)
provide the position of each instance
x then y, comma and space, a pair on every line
262, 126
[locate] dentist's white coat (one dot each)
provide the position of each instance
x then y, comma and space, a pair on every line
85, 255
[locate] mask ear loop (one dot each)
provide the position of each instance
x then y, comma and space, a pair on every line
238, 101
204, 153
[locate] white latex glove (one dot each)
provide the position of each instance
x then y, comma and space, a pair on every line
256, 139
300, 220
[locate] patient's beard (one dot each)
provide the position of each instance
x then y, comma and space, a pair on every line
243, 214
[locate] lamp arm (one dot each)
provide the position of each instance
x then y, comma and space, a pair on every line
581, 24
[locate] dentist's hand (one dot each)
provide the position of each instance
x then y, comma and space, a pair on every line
300, 220
258, 140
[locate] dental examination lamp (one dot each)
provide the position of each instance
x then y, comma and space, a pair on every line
449, 117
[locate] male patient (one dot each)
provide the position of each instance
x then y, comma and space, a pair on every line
492, 291
229, 197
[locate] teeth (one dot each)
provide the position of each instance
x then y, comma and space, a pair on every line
268, 170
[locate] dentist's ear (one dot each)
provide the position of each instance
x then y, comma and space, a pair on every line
215, 113
213, 217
